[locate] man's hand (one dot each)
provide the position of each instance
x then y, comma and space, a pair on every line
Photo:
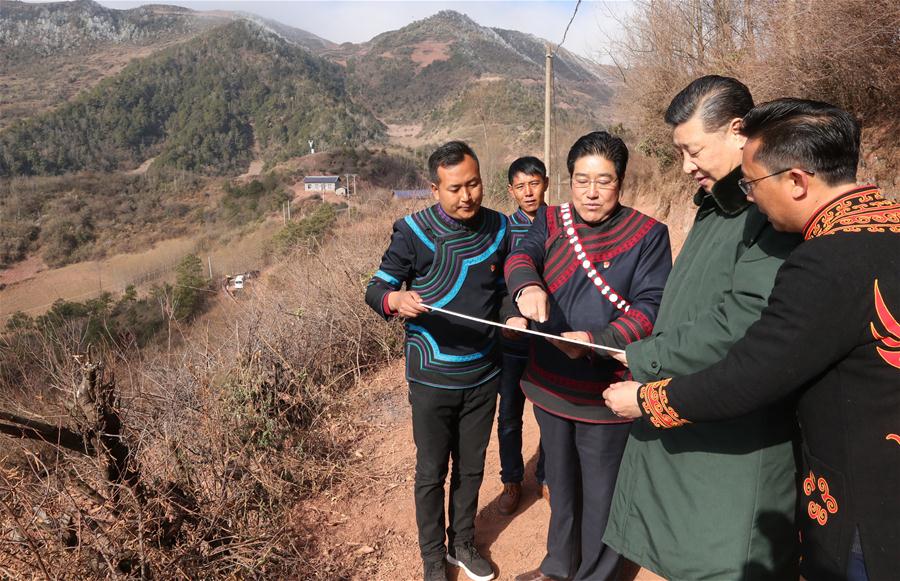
406, 304
572, 350
534, 304
621, 398
518, 322
620, 357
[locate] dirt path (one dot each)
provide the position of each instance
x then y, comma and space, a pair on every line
142, 169
253, 170
374, 519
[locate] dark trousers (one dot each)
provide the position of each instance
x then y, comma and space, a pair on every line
582, 465
856, 566
449, 424
509, 423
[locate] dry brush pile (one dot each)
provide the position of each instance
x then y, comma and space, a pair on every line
195, 463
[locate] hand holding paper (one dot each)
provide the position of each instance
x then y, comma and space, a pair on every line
570, 349
518, 322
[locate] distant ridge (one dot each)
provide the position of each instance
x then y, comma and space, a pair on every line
62, 26
200, 106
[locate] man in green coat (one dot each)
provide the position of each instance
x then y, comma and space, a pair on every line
711, 501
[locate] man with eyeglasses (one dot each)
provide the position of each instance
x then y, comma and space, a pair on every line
592, 270
830, 335
714, 501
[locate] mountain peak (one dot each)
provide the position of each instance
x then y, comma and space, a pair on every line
450, 16
446, 23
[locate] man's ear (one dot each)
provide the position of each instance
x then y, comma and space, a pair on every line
734, 132
799, 183
434, 191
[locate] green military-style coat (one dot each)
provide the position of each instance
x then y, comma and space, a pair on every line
711, 501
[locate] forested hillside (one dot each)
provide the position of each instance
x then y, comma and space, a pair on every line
198, 106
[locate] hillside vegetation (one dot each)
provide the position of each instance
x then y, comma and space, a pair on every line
841, 51
427, 71
29, 30
199, 106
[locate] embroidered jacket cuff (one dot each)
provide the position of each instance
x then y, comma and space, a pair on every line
385, 306
654, 403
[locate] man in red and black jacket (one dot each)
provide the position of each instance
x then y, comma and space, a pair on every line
591, 270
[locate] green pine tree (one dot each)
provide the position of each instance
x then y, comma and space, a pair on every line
190, 287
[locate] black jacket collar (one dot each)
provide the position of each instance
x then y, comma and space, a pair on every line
726, 196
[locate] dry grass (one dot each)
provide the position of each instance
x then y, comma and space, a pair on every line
229, 252
226, 433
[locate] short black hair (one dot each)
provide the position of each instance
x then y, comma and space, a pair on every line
528, 165
448, 155
810, 135
718, 99
603, 144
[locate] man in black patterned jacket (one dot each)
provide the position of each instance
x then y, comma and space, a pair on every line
450, 256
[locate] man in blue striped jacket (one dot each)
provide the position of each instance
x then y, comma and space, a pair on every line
449, 255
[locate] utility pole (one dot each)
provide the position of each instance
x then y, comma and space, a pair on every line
548, 100
209, 262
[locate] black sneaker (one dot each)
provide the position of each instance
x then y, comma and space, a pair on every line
467, 556
435, 571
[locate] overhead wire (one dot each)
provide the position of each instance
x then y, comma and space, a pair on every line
553, 134
566, 32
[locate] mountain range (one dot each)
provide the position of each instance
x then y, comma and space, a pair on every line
91, 88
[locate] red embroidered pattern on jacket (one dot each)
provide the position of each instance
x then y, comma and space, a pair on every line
567, 259
553, 382
655, 402
891, 337
814, 509
861, 209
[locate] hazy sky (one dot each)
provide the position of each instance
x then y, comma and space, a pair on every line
359, 21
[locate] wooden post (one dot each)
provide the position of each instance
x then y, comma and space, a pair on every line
548, 101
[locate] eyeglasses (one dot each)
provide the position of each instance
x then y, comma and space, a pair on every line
604, 183
747, 185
